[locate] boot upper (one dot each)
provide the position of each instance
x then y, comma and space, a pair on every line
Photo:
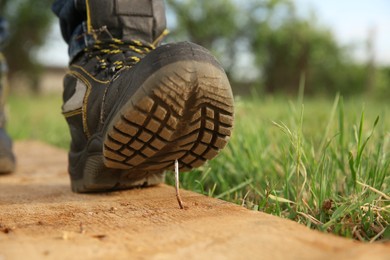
115, 36
141, 20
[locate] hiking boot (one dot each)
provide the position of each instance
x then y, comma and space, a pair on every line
7, 158
134, 108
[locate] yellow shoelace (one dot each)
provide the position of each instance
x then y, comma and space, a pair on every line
117, 46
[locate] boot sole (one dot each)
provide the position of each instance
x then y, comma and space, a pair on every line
97, 178
7, 165
183, 112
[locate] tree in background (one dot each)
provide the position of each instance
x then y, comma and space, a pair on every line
194, 24
278, 46
226, 28
296, 50
29, 22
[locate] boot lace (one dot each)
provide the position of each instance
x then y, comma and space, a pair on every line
116, 54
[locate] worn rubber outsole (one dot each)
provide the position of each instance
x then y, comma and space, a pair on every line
183, 112
97, 178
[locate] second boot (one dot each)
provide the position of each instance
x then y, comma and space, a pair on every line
7, 158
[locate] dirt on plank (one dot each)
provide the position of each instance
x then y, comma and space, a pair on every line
41, 218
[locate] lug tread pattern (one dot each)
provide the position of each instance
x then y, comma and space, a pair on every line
186, 116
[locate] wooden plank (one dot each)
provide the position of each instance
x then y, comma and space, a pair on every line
41, 218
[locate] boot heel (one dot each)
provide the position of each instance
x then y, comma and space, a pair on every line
97, 177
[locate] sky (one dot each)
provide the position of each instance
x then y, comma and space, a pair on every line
350, 20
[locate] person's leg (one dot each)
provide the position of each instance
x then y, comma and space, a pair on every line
71, 14
133, 108
7, 158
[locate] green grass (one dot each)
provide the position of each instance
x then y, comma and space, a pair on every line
324, 164
37, 117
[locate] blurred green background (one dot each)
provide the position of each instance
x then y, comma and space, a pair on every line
265, 46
